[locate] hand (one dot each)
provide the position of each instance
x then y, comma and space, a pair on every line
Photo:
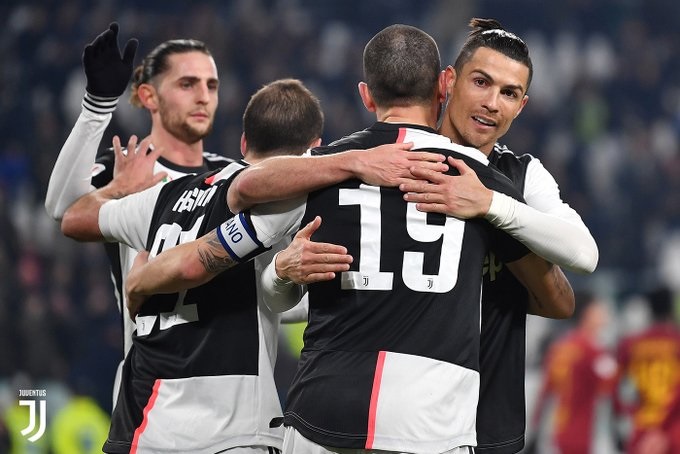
462, 196
389, 165
305, 261
106, 71
133, 167
133, 300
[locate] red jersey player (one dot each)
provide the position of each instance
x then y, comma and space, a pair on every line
577, 372
650, 362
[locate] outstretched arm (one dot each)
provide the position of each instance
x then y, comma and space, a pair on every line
284, 177
133, 172
563, 241
108, 73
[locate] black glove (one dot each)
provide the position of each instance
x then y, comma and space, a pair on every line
107, 74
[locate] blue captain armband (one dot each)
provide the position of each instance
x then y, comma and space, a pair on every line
239, 239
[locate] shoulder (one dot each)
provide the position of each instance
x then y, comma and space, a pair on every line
214, 160
502, 157
357, 140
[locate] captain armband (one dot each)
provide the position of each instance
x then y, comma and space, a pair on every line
239, 239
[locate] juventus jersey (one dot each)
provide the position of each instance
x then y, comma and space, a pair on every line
199, 375
121, 257
390, 357
501, 414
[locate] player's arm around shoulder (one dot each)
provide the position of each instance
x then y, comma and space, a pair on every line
559, 235
550, 293
543, 194
285, 177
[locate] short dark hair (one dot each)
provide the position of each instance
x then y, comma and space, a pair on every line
156, 62
283, 117
489, 33
401, 66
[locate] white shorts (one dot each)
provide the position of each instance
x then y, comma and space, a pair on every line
294, 443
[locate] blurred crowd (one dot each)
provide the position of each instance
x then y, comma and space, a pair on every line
603, 116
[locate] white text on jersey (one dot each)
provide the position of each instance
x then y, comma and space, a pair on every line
192, 198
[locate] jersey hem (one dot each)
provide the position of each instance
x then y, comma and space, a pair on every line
358, 441
506, 447
116, 447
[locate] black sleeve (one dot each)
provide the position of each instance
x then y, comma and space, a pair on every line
102, 170
506, 248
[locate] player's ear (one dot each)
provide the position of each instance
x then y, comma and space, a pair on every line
449, 79
148, 96
442, 86
366, 97
525, 100
315, 143
244, 144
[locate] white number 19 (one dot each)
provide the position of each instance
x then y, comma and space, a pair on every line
369, 276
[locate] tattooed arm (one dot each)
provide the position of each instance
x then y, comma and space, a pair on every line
189, 265
550, 293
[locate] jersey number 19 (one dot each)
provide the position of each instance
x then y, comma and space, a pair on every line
369, 276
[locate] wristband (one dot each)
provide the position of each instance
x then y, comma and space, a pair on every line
269, 275
238, 238
98, 104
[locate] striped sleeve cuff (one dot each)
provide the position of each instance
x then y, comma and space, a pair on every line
98, 104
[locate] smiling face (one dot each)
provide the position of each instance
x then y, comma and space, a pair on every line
187, 96
484, 99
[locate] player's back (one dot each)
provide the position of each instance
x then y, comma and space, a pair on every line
391, 348
120, 256
199, 376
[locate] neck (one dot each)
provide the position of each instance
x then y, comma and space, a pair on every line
251, 157
177, 151
416, 115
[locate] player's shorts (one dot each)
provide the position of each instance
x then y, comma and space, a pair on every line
294, 443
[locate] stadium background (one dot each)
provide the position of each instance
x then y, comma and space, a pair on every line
603, 116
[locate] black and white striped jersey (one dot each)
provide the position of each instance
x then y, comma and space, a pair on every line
501, 414
390, 357
121, 257
199, 376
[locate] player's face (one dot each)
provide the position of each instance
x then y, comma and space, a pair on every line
484, 99
187, 96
